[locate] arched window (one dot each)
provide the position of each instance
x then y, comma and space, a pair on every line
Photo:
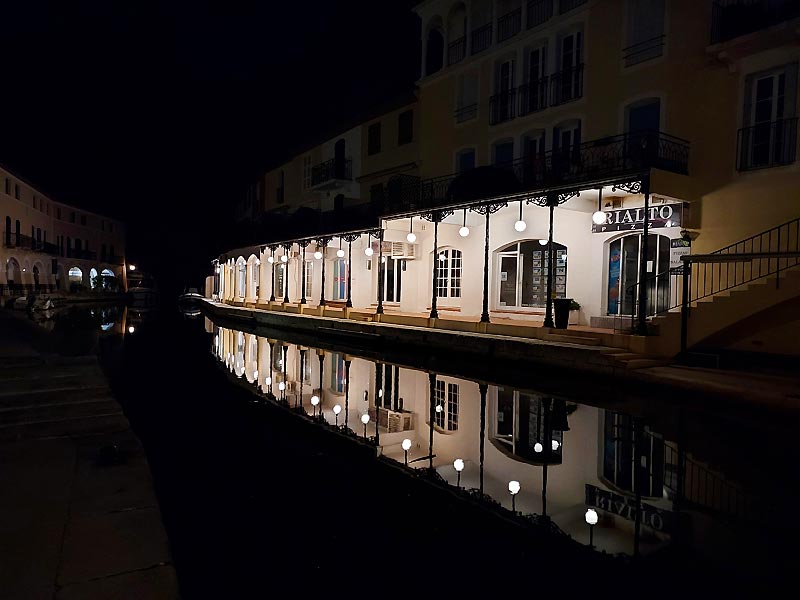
448, 275
93, 281
434, 49
522, 274
75, 275
8, 231
528, 427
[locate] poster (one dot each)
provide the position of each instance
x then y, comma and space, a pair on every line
614, 257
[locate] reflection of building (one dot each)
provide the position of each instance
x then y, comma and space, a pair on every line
565, 455
50, 246
528, 122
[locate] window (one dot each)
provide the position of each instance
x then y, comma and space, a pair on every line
503, 101
307, 172
337, 373
620, 460
374, 138
567, 84
16, 191
434, 52
405, 127
533, 95
445, 416
83, 220
769, 125
522, 274
526, 425
58, 212
8, 186
504, 152
72, 217
465, 160
645, 38
309, 277
280, 279
279, 194
467, 100
241, 277
448, 276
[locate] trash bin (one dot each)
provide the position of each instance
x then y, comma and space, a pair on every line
561, 310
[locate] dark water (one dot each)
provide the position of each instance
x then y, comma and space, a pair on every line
257, 501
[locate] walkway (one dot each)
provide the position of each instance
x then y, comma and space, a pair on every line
78, 519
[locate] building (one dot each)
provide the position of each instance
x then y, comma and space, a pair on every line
49, 246
554, 161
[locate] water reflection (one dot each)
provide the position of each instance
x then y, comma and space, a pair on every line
567, 456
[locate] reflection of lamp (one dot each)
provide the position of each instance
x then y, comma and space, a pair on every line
406, 447
537, 447
513, 489
340, 252
281, 386
336, 410
131, 329
555, 445
591, 520
314, 403
458, 465
365, 420
284, 258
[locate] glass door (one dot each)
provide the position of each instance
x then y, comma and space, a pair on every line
340, 279
624, 261
508, 279
393, 278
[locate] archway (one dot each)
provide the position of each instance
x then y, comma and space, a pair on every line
13, 273
39, 277
108, 280
252, 277
93, 279
75, 278
522, 271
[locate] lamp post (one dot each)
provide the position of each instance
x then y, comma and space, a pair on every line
591, 521
314, 403
406, 447
513, 489
458, 465
365, 420
336, 410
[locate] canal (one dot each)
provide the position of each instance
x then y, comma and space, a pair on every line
260, 486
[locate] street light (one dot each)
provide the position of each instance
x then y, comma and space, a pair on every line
411, 237
317, 253
543, 242
520, 225
268, 380
131, 329
555, 445
513, 489
464, 231
365, 420
537, 447
131, 267
340, 252
599, 217
336, 410
314, 402
406, 447
458, 465
591, 520
284, 258
270, 259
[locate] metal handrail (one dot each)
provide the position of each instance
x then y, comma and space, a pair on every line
332, 169
539, 11
509, 25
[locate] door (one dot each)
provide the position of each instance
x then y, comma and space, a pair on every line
393, 279
505, 87
537, 86
624, 262
767, 108
340, 279
569, 86
508, 279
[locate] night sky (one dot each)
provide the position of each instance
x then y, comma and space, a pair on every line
155, 112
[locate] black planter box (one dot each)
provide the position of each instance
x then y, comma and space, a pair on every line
561, 312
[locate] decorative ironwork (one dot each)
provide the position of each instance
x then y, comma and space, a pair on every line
509, 24
632, 187
351, 237
501, 106
436, 216
533, 96
608, 159
538, 200
567, 196
331, 170
488, 207
324, 241
481, 38
768, 144
539, 11
457, 50
567, 85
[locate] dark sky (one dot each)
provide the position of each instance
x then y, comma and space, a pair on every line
154, 112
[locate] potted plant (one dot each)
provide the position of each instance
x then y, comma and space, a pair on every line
574, 312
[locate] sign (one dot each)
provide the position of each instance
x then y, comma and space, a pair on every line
678, 248
652, 517
663, 215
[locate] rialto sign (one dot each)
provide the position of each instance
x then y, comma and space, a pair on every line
652, 517
663, 215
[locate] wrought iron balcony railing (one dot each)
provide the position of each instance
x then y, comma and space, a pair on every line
332, 169
566, 86
643, 51
466, 113
599, 160
533, 96
12, 239
733, 18
509, 25
457, 50
539, 11
567, 5
481, 38
765, 145
501, 107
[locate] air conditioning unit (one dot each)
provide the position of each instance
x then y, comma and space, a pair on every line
403, 250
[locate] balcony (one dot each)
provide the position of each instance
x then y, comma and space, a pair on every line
466, 113
643, 51
533, 97
501, 107
25, 242
481, 38
539, 11
566, 86
456, 51
766, 145
509, 25
733, 18
331, 173
595, 162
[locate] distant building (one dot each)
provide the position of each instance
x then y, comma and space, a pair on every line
567, 128
50, 246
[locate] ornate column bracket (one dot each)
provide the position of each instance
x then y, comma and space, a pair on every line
542, 200
351, 237
488, 208
436, 216
632, 187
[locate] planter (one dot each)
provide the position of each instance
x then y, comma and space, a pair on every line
561, 308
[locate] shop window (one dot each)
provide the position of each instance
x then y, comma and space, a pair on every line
310, 278
241, 277
522, 274
620, 462
393, 269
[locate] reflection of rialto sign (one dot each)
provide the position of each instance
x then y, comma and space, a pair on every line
665, 215
652, 517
